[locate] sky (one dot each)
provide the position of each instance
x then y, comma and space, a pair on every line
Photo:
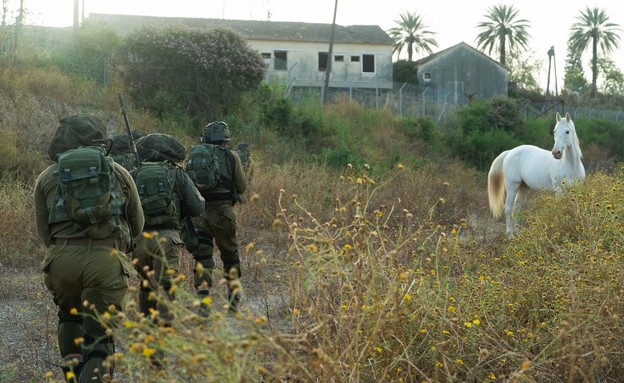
452, 21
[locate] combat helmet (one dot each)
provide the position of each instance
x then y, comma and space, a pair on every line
216, 131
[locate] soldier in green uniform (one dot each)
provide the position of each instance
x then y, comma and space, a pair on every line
217, 224
122, 151
160, 155
85, 266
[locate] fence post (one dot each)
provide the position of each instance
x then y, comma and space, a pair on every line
424, 106
401, 99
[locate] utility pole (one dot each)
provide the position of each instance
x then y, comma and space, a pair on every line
330, 55
76, 14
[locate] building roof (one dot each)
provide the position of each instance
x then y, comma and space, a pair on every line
443, 52
256, 30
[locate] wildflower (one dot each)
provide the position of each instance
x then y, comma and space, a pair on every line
439, 364
135, 348
147, 351
407, 297
78, 341
359, 180
312, 248
249, 247
459, 362
207, 300
467, 324
525, 365
147, 235
296, 312
69, 376
509, 333
73, 311
378, 349
128, 324
453, 232
347, 247
260, 320
399, 166
48, 375
451, 309
476, 322
492, 376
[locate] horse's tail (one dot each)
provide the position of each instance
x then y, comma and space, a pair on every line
496, 186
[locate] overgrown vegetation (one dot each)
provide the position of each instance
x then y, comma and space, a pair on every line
367, 248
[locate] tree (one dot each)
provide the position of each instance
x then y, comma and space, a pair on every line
202, 72
573, 77
593, 28
502, 30
612, 78
412, 34
522, 71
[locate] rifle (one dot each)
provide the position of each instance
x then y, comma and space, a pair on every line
122, 103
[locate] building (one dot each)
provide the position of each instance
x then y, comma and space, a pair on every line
296, 53
461, 73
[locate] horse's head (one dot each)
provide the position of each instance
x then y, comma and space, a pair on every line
564, 135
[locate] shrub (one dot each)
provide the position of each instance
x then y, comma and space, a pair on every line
204, 71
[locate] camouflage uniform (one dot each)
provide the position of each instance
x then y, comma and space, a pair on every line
80, 269
156, 256
217, 224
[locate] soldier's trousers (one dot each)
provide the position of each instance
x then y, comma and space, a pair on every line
216, 225
98, 277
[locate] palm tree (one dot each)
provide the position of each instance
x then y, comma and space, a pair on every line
411, 33
503, 28
593, 27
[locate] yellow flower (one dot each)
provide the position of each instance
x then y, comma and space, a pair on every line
78, 341
73, 311
467, 324
453, 232
312, 248
147, 235
439, 364
525, 365
135, 348
296, 312
476, 322
492, 376
451, 309
407, 297
69, 376
48, 375
147, 351
459, 362
378, 349
399, 166
347, 247
359, 180
207, 300
128, 324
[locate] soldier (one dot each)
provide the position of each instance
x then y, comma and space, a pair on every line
217, 223
168, 196
122, 151
85, 266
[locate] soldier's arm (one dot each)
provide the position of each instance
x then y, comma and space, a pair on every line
134, 211
240, 180
41, 213
192, 201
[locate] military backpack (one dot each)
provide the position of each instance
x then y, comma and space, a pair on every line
155, 184
88, 191
207, 162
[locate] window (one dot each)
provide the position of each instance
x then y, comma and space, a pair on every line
427, 76
355, 59
339, 58
368, 63
266, 55
281, 60
322, 61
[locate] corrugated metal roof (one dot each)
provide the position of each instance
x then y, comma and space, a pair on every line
443, 52
257, 30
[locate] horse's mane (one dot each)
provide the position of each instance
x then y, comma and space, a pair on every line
575, 138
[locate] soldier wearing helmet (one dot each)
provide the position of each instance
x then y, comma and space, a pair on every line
217, 224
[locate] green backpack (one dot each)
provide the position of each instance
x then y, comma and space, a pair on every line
205, 161
155, 185
88, 191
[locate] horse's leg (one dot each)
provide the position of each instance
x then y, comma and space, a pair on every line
510, 199
521, 197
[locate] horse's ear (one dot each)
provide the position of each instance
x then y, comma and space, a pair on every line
558, 116
568, 118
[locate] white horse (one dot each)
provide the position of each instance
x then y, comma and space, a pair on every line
514, 172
